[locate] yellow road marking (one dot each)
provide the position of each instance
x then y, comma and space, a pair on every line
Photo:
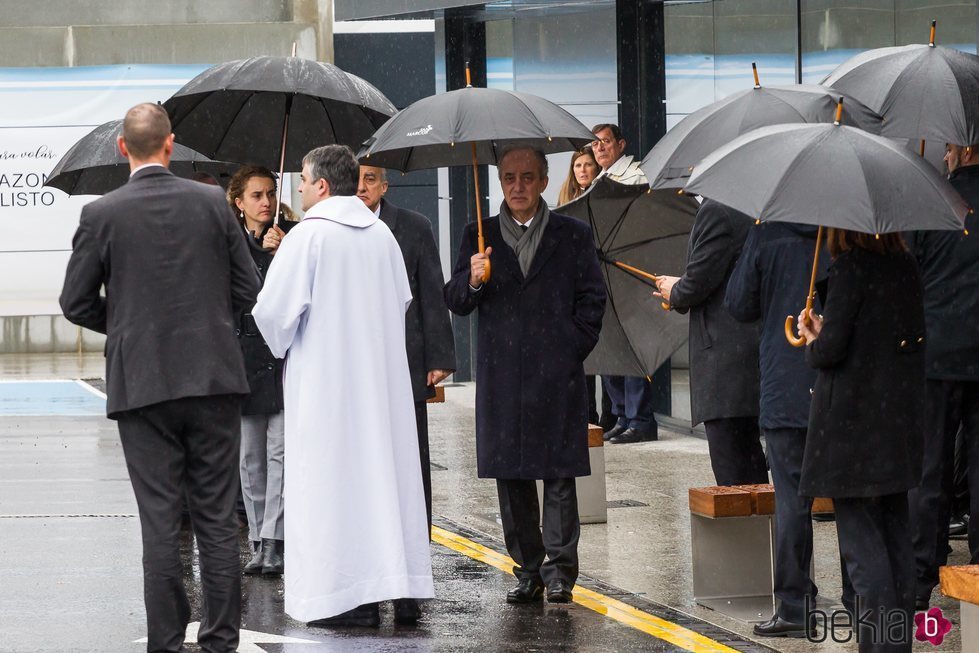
604, 605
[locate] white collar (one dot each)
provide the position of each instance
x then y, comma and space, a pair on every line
348, 210
620, 166
377, 211
525, 224
144, 166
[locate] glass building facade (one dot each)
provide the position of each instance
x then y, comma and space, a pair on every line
690, 53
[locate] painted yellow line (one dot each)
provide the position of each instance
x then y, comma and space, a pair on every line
604, 605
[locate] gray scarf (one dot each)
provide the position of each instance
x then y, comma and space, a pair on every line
524, 243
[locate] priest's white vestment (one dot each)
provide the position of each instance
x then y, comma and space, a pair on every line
334, 304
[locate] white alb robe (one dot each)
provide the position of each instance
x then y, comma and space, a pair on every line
334, 301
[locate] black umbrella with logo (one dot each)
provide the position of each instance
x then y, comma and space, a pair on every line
636, 230
470, 126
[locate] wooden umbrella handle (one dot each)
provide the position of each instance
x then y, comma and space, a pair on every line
799, 341
642, 273
480, 241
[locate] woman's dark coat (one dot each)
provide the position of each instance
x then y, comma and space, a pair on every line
264, 370
864, 436
724, 376
533, 336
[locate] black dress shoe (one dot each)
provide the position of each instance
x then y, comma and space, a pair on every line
254, 566
407, 612
272, 557
613, 432
779, 627
363, 616
527, 590
631, 435
958, 526
559, 591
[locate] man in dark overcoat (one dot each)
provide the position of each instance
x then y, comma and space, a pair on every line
724, 375
176, 272
949, 262
769, 282
539, 317
428, 330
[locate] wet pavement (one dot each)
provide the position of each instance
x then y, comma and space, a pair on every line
71, 578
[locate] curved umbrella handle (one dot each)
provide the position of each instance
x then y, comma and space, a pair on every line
794, 340
665, 306
482, 250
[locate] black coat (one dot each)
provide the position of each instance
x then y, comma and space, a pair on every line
264, 370
724, 375
176, 272
864, 436
533, 336
949, 262
428, 329
770, 282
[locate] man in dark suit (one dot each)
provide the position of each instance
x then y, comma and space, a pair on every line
724, 378
949, 262
176, 271
770, 281
428, 330
539, 317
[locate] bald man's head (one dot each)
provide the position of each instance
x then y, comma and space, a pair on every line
145, 131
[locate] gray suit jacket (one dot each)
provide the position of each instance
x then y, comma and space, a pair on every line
176, 271
428, 330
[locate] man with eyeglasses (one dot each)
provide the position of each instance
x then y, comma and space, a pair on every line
632, 397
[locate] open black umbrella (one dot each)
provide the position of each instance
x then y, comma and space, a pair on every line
271, 111
94, 165
672, 159
636, 230
470, 126
831, 176
926, 92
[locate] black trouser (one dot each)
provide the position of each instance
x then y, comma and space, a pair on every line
421, 419
793, 524
525, 541
736, 455
875, 542
948, 404
176, 446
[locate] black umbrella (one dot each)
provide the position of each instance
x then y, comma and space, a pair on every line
434, 132
925, 92
271, 111
670, 162
636, 230
831, 176
94, 165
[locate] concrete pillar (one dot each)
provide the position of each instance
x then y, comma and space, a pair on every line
318, 14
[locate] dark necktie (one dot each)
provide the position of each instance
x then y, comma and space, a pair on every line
523, 228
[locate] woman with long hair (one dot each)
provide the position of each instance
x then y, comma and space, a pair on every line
581, 173
251, 194
863, 447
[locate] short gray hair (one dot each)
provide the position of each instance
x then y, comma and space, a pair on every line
337, 165
538, 154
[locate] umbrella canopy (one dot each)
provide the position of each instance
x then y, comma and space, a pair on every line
430, 132
829, 175
94, 165
647, 231
670, 162
238, 111
926, 92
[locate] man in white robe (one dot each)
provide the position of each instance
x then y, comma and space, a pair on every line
334, 305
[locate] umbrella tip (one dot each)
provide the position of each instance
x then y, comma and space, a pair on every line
679, 192
966, 232
931, 40
754, 72
757, 220
877, 236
